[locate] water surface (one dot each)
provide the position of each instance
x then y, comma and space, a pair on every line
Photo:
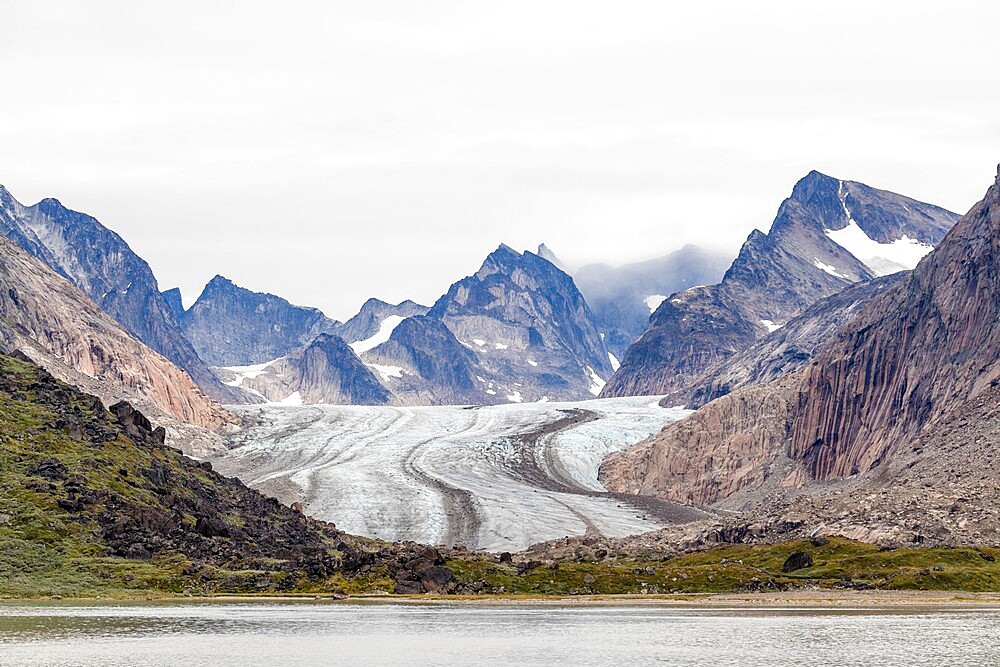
492, 634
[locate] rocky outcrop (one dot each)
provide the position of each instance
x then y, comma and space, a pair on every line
231, 326
374, 316
325, 371
807, 255
102, 265
622, 298
172, 297
424, 364
737, 442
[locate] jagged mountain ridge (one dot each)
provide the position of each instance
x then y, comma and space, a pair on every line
517, 330
777, 275
921, 359
230, 325
104, 267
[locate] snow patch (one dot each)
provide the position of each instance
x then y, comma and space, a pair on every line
597, 382
771, 326
247, 372
532, 362
653, 301
882, 258
295, 398
386, 372
514, 397
385, 330
832, 270
500, 346
479, 341
615, 364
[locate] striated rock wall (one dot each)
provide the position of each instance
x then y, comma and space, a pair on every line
916, 353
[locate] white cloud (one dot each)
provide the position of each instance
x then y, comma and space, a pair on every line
333, 151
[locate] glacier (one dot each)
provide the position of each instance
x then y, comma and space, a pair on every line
491, 477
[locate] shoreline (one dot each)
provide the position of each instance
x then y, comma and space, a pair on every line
818, 599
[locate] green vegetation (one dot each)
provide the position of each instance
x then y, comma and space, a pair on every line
837, 563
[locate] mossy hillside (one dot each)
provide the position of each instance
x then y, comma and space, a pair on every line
85, 509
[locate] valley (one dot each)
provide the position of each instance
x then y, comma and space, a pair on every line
496, 478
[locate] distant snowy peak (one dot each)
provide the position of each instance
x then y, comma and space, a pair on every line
653, 301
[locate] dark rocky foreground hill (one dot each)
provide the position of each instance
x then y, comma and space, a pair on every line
92, 501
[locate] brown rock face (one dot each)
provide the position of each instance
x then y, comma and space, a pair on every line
56, 325
734, 443
916, 353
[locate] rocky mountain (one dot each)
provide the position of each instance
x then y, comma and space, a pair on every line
325, 371
531, 330
231, 326
622, 298
102, 265
916, 368
827, 235
785, 350
424, 364
374, 322
517, 330
52, 321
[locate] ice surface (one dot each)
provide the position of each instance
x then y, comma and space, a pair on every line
449, 474
385, 329
386, 372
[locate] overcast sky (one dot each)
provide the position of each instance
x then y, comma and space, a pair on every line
332, 151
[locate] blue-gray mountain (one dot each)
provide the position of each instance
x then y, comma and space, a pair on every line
232, 326
102, 265
623, 297
828, 235
516, 330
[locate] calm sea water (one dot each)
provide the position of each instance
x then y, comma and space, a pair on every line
387, 634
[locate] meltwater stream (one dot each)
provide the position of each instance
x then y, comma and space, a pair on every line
491, 634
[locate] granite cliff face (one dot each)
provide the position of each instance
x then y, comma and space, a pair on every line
424, 364
232, 326
827, 235
102, 265
786, 350
54, 323
919, 359
622, 298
